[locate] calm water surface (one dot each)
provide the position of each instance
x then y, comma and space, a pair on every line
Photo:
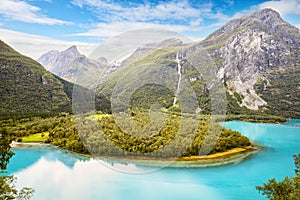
58, 175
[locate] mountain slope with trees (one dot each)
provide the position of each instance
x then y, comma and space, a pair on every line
28, 89
255, 58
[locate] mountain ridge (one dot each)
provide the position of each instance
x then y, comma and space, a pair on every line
73, 66
246, 52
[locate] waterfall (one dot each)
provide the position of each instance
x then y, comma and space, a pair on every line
179, 78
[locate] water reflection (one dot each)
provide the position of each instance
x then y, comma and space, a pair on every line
25, 157
92, 180
57, 174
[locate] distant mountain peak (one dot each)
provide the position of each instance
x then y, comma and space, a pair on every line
265, 18
267, 12
72, 51
73, 66
72, 48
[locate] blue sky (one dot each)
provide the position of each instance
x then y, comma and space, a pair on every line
36, 26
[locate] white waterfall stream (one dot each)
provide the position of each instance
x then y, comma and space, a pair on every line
179, 78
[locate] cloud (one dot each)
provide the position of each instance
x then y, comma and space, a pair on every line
119, 47
229, 2
180, 16
172, 10
34, 45
283, 7
22, 11
241, 13
115, 28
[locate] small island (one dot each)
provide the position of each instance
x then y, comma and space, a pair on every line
100, 136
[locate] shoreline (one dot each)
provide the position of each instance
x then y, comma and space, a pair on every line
232, 156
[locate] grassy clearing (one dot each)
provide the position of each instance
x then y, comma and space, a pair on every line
97, 116
38, 137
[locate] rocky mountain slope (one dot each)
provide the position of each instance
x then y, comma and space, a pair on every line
253, 54
73, 66
256, 59
249, 48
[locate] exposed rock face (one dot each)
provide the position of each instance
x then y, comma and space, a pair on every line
73, 66
248, 48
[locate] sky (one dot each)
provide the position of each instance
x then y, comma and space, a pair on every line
34, 27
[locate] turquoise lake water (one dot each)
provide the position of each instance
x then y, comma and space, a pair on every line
58, 175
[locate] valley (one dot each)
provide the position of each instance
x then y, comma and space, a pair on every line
221, 105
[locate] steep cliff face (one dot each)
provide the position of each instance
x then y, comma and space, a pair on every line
248, 49
73, 66
263, 41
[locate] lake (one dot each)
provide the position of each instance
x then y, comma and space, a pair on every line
57, 174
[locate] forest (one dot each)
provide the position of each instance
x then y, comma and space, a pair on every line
159, 135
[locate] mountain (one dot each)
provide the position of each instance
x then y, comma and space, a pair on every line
73, 66
28, 89
256, 59
151, 47
141, 52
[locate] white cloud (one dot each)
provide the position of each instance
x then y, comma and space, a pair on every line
196, 22
298, 26
229, 2
241, 13
122, 45
172, 10
34, 45
115, 28
174, 15
283, 7
22, 11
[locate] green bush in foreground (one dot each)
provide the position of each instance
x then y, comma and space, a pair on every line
8, 183
288, 189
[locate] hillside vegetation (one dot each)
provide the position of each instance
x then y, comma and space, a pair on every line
27, 89
104, 137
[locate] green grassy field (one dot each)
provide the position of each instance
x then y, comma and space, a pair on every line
97, 116
38, 137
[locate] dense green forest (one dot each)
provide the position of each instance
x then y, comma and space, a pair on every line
282, 92
175, 136
26, 87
